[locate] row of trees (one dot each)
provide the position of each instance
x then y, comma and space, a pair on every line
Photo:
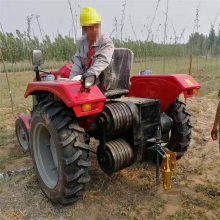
201, 44
18, 47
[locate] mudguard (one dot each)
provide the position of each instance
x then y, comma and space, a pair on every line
63, 72
165, 88
72, 94
26, 120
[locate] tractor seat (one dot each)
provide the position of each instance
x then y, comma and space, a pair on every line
119, 70
116, 93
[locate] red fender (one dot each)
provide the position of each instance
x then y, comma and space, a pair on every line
165, 88
63, 72
72, 94
26, 120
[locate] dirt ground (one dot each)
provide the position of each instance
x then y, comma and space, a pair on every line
128, 194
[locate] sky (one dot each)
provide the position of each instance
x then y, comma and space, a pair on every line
55, 17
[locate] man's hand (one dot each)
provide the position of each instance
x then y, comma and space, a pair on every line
76, 78
214, 133
86, 74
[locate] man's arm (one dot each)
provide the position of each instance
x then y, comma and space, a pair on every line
103, 58
77, 65
216, 122
214, 132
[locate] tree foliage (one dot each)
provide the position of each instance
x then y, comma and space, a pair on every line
201, 44
18, 47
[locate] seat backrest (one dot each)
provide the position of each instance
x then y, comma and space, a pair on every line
121, 67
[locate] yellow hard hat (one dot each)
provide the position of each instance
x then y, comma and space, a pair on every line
89, 16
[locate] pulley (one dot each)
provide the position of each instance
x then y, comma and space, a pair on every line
116, 155
118, 117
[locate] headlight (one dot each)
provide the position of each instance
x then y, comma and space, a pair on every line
89, 81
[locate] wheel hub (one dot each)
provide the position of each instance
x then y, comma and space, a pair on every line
22, 137
45, 153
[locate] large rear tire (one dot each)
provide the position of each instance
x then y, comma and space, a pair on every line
60, 151
180, 135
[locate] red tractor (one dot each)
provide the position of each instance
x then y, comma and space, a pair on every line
137, 118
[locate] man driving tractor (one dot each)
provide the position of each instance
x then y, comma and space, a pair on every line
94, 53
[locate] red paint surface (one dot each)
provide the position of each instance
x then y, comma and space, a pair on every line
71, 93
63, 72
26, 120
165, 88
89, 59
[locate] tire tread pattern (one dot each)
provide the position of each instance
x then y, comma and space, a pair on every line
181, 132
75, 150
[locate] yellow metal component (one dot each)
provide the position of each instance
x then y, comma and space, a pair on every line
166, 172
195, 92
167, 166
89, 16
189, 82
172, 159
87, 107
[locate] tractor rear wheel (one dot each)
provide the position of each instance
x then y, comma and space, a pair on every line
180, 134
60, 151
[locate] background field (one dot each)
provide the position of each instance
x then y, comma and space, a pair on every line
130, 193
205, 70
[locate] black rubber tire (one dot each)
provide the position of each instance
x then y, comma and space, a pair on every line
19, 124
181, 131
72, 151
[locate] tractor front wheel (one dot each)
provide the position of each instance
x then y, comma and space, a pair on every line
60, 151
22, 135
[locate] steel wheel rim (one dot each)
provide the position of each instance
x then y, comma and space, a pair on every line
22, 137
165, 144
45, 155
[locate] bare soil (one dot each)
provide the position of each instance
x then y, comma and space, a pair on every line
128, 194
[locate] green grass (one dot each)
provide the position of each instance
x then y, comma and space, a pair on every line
24, 66
208, 75
18, 83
